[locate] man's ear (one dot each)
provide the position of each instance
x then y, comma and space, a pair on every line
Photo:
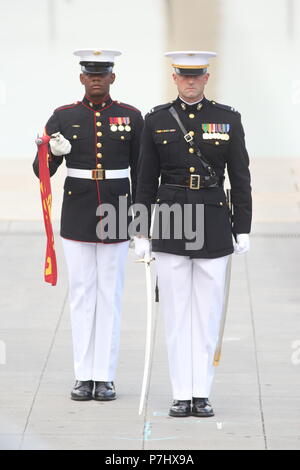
82, 78
207, 75
112, 79
174, 77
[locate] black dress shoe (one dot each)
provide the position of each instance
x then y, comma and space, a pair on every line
202, 408
83, 390
180, 408
104, 391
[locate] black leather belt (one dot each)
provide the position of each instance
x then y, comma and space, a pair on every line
193, 181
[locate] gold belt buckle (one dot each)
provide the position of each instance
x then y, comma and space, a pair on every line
194, 182
98, 174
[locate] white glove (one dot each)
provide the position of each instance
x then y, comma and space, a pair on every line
59, 145
142, 248
242, 243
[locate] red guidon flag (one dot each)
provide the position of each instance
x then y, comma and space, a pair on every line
50, 272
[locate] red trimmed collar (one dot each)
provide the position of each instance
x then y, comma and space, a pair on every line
96, 106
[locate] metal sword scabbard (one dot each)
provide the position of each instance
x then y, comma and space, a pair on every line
217, 355
230, 205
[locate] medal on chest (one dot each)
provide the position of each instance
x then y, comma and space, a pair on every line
215, 131
120, 124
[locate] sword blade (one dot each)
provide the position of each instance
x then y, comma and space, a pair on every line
148, 338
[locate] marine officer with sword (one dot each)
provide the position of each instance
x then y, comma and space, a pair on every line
188, 144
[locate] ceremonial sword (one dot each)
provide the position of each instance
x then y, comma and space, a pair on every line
145, 382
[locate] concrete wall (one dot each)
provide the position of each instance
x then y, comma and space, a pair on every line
39, 73
259, 54
193, 25
257, 69
259, 60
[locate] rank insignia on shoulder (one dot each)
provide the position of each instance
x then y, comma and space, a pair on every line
215, 131
162, 131
160, 107
120, 124
225, 107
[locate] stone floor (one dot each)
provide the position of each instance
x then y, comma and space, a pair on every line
256, 394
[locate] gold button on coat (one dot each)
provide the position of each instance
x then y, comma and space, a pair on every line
99, 165
99, 134
98, 114
191, 150
191, 116
192, 133
99, 145
99, 155
217, 143
122, 137
98, 124
192, 169
74, 136
165, 142
69, 192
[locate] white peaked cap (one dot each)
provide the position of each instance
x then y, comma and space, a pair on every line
96, 55
190, 59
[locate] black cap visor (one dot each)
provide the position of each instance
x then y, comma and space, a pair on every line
180, 71
96, 67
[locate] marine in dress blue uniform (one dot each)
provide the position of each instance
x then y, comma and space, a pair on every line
102, 138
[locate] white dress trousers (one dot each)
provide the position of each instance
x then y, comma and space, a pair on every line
96, 278
192, 295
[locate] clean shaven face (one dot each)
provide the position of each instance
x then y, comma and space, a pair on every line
97, 85
191, 87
